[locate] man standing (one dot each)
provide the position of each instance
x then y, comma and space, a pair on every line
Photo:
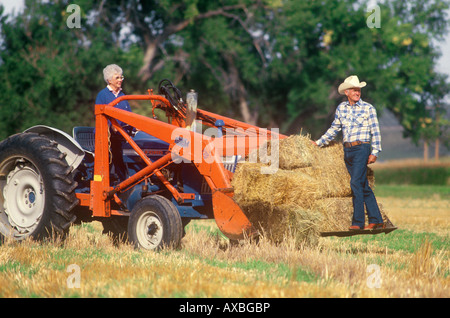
362, 143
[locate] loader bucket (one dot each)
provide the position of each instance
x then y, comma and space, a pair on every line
358, 232
388, 228
229, 217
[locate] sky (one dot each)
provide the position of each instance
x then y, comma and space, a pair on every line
442, 66
11, 4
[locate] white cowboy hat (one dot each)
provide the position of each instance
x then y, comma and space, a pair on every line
350, 82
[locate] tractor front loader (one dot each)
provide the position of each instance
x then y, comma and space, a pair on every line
176, 171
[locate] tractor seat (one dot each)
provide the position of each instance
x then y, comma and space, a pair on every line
85, 136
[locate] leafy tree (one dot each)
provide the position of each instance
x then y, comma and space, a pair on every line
411, 84
226, 50
270, 62
200, 40
315, 45
50, 73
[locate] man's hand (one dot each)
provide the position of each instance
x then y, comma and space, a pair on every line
314, 143
372, 159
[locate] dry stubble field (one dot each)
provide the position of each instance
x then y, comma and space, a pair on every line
412, 261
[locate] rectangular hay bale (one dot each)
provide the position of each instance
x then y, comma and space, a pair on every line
312, 185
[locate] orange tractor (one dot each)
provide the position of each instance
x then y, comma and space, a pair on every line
175, 171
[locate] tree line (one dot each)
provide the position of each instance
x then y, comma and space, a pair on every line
273, 63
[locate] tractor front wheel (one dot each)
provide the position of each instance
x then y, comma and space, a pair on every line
155, 223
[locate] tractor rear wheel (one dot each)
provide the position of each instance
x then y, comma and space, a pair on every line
36, 188
155, 223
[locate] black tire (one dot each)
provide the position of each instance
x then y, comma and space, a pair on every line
154, 224
37, 190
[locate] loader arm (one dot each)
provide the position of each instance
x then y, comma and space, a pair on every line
204, 151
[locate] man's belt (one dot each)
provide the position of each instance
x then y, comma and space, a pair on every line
354, 143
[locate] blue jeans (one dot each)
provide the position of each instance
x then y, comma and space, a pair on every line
356, 161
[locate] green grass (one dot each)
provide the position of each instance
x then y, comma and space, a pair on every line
268, 271
32, 269
273, 271
412, 191
439, 175
16, 267
402, 240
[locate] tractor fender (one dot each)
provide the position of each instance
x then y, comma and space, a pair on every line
66, 144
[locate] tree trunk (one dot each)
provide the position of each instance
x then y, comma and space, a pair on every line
152, 42
249, 118
150, 53
436, 149
425, 150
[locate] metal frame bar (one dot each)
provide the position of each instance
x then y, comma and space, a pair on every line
228, 215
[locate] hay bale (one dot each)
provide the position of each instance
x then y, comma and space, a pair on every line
296, 152
248, 177
337, 213
327, 163
290, 187
312, 185
323, 174
280, 188
284, 222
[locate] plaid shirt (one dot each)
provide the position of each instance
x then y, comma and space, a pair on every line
358, 122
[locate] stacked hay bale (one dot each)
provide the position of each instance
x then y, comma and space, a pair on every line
308, 194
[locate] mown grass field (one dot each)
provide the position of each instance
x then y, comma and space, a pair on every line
413, 261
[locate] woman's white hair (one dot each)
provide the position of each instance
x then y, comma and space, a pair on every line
110, 70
